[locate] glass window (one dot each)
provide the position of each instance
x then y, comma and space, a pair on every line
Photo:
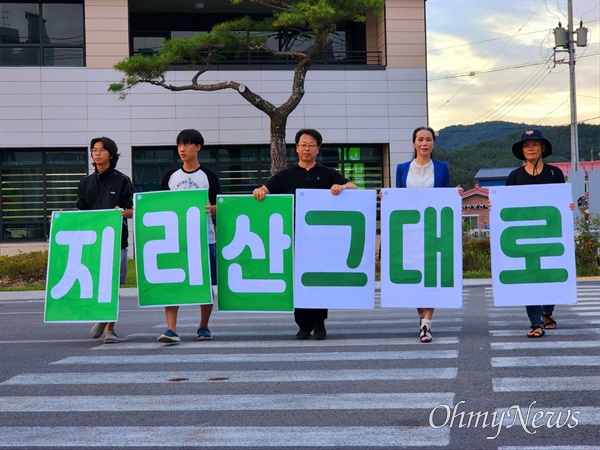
47, 33
33, 183
241, 169
151, 22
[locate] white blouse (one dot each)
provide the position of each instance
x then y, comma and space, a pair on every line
420, 176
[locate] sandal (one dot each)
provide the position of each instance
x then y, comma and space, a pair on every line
425, 334
549, 322
536, 332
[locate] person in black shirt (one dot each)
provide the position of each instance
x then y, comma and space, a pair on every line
107, 188
307, 173
532, 148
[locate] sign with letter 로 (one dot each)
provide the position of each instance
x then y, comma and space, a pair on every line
532, 245
421, 248
83, 266
172, 253
334, 260
255, 257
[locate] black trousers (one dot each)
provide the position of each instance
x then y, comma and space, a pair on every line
306, 318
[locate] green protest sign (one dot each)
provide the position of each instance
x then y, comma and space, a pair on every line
83, 266
255, 271
171, 241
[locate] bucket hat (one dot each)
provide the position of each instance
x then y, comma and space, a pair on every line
517, 147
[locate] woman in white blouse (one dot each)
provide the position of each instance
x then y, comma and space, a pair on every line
423, 172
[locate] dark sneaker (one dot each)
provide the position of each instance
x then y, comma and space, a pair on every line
110, 338
320, 332
303, 333
98, 330
204, 334
169, 337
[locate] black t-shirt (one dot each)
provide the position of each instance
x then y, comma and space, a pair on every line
107, 190
548, 175
286, 181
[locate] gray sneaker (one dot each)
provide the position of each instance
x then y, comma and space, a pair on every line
110, 338
98, 330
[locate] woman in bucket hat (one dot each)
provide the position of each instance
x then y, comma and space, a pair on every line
532, 148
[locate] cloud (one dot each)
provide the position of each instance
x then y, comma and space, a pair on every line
507, 48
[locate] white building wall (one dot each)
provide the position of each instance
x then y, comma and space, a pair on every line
67, 107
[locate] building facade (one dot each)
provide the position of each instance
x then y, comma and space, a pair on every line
56, 64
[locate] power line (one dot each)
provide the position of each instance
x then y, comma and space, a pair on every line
494, 57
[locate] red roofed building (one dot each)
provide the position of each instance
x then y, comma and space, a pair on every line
475, 210
588, 166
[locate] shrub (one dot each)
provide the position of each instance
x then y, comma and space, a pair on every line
24, 268
476, 255
587, 243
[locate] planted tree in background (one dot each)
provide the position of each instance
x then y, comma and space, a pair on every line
311, 20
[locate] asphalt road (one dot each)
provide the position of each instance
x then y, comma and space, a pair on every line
481, 384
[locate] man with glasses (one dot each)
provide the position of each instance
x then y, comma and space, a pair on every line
107, 188
307, 173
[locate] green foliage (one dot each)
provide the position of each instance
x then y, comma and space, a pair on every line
587, 243
24, 268
476, 255
316, 18
496, 150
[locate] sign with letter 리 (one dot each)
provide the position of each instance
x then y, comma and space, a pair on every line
172, 254
421, 248
83, 266
255, 258
532, 245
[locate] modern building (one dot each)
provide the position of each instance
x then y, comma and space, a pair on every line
366, 96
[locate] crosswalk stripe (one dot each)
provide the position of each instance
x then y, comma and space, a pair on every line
258, 357
546, 361
124, 345
202, 436
254, 376
553, 447
556, 332
506, 323
330, 330
543, 345
586, 415
260, 402
569, 383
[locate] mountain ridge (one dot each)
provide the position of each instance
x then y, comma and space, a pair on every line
468, 148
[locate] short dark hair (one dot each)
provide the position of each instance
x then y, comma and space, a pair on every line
190, 136
414, 138
109, 145
314, 133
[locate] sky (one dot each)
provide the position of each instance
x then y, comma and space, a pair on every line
494, 60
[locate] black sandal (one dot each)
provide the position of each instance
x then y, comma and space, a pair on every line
549, 322
425, 334
534, 333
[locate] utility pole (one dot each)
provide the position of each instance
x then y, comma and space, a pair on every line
573, 101
567, 39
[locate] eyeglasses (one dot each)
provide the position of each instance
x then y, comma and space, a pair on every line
98, 150
305, 146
